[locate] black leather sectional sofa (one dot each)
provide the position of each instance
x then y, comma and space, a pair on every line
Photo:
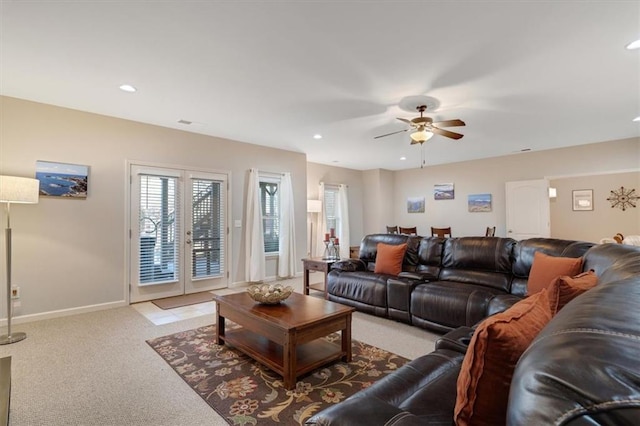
445, 282
581, 369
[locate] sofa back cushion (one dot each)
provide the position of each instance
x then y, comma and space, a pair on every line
369, 249
430, 256
612, 262
524, 251
478, 260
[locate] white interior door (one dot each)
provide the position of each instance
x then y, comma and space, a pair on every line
178, 232
528, 211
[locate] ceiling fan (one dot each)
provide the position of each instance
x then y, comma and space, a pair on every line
424, 128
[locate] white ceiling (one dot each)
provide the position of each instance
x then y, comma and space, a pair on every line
535, 74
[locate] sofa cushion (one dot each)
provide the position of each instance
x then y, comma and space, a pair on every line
486, 372
547, 268
564, 289
389, 258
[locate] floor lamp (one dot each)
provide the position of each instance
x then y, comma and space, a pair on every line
313, 206
14, 190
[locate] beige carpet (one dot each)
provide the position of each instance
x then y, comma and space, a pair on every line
97, 369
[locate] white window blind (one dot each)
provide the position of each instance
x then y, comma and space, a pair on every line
208, 233
270, 203
158, 229
331, 207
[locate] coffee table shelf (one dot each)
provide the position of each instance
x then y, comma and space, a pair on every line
288, 337
309, 356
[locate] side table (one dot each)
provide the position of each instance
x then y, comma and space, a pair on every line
316, 264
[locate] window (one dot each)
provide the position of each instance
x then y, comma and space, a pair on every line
331, 207
270, 202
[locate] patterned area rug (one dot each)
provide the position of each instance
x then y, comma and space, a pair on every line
244, 392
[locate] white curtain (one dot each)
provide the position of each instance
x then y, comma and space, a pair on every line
254, 237
287, 238
321, 224
343, 216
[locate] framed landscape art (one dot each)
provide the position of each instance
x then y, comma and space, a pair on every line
415, 205
62, 180
443, 191
479, 203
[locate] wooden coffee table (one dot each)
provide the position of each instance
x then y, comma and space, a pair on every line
285, 337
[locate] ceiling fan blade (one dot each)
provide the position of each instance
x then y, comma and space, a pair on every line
450, 123
389, 134
446, 133
405, 120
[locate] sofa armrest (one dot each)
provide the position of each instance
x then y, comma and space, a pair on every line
456, 340
364, 411
349, 265
501, 303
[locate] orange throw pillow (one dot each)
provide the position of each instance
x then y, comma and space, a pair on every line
564, 289
389, 258
545, 269
488, 366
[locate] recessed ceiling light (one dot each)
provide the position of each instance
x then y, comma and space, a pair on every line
128, 88
403, 158
637, 118
634, 45
317, 136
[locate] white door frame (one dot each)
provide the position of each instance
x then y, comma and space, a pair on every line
127, 214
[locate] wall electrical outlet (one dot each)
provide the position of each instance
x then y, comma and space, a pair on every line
15, 292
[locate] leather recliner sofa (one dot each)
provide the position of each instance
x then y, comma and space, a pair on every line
445, 282
581, 369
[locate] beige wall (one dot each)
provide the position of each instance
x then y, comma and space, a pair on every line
69, 254
490, 176
603, 221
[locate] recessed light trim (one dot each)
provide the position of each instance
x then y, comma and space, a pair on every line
633, 45
637, 119
128, 88
317, 136
403, 158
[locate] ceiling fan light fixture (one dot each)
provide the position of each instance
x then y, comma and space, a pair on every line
421, 136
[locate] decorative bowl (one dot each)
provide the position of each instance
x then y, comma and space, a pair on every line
269, 294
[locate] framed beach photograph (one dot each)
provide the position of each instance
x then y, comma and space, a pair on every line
443, 191
583, 200
62, 179
415, 205
479, 203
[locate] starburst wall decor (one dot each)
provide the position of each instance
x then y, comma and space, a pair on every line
623, 198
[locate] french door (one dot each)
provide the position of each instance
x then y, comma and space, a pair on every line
178, 235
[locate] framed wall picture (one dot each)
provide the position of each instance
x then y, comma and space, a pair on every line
415, 205
62, 180
583, 199
479, 203
443, 191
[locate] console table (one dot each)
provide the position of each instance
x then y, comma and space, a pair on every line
316, 264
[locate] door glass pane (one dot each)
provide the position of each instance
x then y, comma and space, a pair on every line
159, 249
207, 239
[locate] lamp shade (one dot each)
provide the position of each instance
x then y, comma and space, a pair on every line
421, 136
314, 206
19, 190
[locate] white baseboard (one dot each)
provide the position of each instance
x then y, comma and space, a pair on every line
63, 313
